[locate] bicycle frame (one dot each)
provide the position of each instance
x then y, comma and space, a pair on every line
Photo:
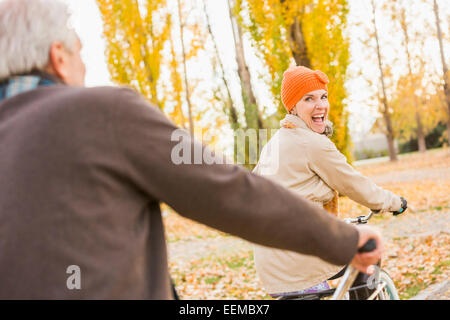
345, 283
350, 273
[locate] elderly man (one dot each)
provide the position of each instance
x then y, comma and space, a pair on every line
83, 171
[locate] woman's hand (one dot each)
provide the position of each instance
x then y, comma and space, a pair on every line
402, 208
364, 261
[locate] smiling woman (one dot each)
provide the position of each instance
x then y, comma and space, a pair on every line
308, 163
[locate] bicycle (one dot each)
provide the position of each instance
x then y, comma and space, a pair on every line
382, 284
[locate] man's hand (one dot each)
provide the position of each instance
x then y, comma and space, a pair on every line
364, 261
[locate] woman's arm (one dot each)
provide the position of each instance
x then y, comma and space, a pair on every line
332, 167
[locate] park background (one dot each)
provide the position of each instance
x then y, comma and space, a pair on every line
215, 67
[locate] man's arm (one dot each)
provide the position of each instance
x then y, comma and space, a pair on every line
225, 197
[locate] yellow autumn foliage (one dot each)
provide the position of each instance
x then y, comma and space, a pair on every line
323, 23
141, 51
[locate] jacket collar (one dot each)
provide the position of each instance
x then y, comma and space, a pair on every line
19, 83
296, 121
291, 121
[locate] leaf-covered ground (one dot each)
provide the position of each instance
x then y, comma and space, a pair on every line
207, 264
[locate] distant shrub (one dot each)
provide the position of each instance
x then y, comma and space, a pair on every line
435, 139
369, 153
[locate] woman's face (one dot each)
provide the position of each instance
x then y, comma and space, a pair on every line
313, 109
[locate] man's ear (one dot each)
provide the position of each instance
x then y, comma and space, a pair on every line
57, 62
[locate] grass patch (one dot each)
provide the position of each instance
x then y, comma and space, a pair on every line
414, 288
412, 291
399, 238
438, 267
213, 280
440, 208
445, 263
236, 263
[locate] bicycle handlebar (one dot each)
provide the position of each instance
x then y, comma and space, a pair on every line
361, 219
364, 219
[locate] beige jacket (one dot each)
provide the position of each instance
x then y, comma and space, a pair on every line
309, 164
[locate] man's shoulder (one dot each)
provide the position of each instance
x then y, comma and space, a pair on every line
104, 99
110, 92
94, 95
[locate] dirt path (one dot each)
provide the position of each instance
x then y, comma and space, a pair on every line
413, 175
416, 224
439, 291
202, 248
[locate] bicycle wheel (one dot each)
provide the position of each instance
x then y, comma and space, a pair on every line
389, 292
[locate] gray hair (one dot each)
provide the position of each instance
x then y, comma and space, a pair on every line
27, 30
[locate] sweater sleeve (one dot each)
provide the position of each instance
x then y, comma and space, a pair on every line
154, 157
332, 167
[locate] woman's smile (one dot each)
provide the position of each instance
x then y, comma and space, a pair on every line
318, 118
313, 110
317, 123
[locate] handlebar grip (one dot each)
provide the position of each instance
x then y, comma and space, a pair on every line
369, 246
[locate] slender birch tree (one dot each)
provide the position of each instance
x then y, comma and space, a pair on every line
383, 97
400, 15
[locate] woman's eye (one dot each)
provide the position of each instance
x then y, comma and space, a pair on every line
308, 99
324, 97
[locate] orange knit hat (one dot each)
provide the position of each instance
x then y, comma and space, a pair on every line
298, 81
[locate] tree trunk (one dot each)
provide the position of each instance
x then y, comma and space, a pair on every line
297, 41
390, 132
188, 99
386, 115
444, 67
420, 133
297, 44
178, 99
252, 114
232, 110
